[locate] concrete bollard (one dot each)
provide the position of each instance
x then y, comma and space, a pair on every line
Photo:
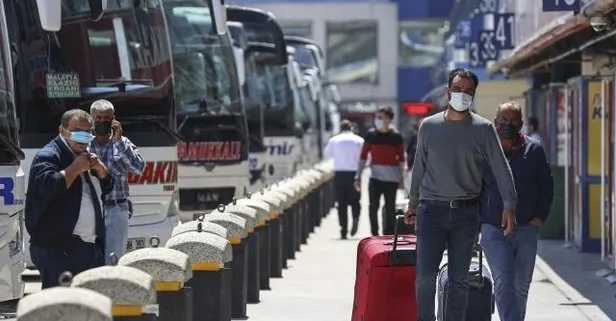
276, 247
200, 226
315, 198
239, 230
211, 281
170, 269
312, 200
263, 230
254, 253
288, 223
304, 184
131, 291
64, 303
294, 212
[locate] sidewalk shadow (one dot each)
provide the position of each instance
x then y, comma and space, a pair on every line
579, 271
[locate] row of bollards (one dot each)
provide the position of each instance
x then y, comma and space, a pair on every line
210, 268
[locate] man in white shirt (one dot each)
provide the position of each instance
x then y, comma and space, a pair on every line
345, 148
63, 211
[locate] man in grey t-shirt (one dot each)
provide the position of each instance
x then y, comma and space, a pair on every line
446, 180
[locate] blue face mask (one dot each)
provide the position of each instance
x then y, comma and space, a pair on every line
378, 123
81, 137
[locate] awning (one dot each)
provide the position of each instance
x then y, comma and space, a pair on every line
540, 51
598, 7
559, 29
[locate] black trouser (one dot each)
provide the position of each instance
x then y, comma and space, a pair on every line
377, 188
346, 195
76, 257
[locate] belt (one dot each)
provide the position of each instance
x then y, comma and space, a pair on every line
453, 203
115, 202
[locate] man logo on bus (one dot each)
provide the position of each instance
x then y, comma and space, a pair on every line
6, 191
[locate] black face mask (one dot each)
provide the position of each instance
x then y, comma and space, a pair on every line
508, 131
102, 127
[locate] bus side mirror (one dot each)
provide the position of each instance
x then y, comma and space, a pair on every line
50, 14
97, 9
219, 14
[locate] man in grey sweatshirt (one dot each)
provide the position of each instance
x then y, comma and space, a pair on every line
446, 180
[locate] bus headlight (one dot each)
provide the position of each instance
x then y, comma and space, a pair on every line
174, 204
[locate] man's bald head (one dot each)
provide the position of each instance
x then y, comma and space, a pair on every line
510, 110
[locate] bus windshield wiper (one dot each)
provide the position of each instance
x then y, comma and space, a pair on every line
161, 125
12, 147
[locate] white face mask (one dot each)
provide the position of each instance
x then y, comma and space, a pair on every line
461, 101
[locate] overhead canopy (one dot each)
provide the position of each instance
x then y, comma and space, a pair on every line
569, 34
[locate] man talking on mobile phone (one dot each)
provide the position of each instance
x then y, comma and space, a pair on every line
453, 146
121, 156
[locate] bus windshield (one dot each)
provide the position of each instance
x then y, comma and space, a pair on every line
205, 73
123, 57
304, 56
9, 141
276, 95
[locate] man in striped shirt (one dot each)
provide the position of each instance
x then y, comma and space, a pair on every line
386, 148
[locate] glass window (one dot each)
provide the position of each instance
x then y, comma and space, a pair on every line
352, 51
122, 57
8, 118
421, 43
203, 60
297, 28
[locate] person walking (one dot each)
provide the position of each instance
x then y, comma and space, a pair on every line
121, 156
63, 213
446, 180
512, 257
533, 129
385, 146
345, 148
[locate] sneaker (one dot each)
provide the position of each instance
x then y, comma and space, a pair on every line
343, 236
354, 227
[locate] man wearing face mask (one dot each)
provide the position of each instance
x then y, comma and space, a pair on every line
121, 156
63, 214
446, 181
386, 148
512, 257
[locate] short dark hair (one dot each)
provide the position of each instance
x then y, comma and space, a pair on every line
533, 121
386, 110
346, 125
74, 113
463, 73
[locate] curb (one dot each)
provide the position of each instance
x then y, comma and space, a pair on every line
588, 309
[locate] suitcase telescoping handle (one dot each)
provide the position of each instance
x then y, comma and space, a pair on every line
479, 251
394, 256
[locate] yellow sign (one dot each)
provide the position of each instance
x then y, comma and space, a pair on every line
594, 211
594, 128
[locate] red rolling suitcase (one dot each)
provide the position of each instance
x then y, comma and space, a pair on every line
385, 278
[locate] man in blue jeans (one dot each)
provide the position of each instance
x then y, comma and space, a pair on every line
512, 257
121, 156
446, 181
